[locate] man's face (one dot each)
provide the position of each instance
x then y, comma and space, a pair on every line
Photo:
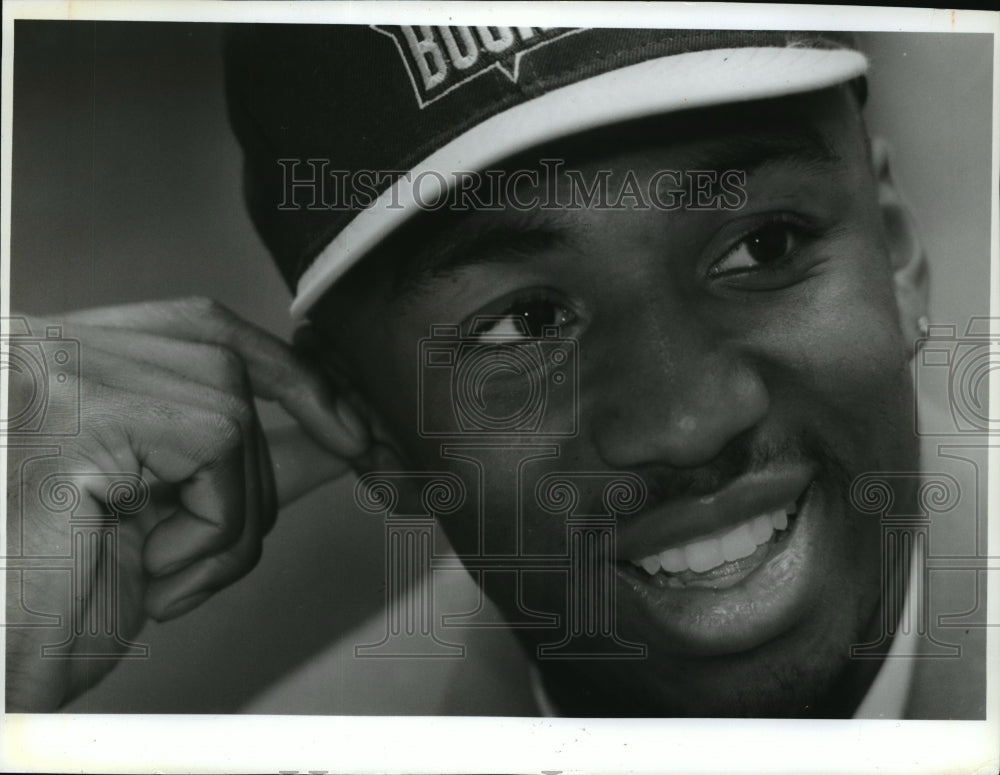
745, 364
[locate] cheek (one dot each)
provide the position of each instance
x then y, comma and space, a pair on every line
413, 398
845, 379
514, 501
840, 343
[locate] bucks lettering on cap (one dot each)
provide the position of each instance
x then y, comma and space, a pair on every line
439, 60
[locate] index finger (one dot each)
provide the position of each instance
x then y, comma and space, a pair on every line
299, 465
275, 371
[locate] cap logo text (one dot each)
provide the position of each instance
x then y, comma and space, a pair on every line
441, 59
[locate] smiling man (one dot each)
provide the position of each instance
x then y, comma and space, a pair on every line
667, 260
744, 357
725, 358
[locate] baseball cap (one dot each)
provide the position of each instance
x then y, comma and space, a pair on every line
339, 123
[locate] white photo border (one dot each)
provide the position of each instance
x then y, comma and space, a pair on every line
65, 742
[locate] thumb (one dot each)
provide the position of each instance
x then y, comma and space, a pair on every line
300, 465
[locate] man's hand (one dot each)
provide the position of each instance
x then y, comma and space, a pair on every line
166, 392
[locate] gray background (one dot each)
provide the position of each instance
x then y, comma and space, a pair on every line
126, 187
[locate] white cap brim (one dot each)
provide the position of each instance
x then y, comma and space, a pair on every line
680, 82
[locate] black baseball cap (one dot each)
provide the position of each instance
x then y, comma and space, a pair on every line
421, 103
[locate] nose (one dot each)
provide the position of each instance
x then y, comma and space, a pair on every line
678, 403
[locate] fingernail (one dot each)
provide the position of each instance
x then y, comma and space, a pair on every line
352, 424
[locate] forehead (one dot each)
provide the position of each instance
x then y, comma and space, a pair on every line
807, 135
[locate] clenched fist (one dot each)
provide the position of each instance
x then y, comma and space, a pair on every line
163, 391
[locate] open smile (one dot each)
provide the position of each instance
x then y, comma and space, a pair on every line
721, 560
727, 572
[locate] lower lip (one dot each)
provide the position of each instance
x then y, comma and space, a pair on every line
749, 608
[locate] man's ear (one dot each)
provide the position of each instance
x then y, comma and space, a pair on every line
383, 453
909, 262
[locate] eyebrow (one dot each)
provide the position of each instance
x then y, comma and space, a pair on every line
519, 240
804, 147
534, 231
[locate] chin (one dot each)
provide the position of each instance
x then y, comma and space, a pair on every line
770, 639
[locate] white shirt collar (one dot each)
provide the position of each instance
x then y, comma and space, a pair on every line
886, 697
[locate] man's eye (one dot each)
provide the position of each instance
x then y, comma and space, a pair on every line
762, 248
523, 319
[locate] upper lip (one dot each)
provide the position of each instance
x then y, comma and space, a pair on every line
686, 519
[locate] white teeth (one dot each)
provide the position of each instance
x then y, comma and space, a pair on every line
738, 543
672, 560
704, 555
761, 527
650, 564
707, 553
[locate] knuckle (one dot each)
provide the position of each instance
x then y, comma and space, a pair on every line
240, 409
200, 309
163, 414
227, 358
230, 368
201, 306
110, 415
222, 322
227, 436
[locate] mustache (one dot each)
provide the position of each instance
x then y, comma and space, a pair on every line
742, 455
